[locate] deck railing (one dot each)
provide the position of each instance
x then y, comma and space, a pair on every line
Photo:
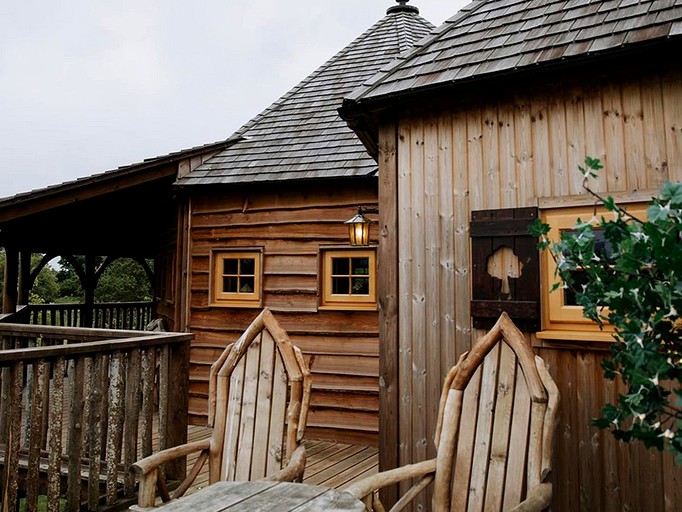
74, 403
104, 315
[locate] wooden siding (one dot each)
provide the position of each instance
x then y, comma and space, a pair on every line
508, 153
290, 223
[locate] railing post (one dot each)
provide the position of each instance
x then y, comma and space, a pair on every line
178, 402
9, 297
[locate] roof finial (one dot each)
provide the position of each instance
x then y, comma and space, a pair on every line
403, 7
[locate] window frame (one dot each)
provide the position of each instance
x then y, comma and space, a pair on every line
349, 302
560, 320
236, 299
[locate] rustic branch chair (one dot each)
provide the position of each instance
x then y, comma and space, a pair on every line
494, 435
259, 393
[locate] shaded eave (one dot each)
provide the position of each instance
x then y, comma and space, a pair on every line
70, 192
364, 115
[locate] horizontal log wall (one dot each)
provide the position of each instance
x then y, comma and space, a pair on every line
512, 152
290, 224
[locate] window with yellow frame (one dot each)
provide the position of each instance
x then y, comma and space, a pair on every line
562, 317
348, 279
236, 278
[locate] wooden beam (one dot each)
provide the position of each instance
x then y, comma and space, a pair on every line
9, 294
388, 305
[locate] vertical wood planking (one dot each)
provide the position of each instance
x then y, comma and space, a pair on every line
523, 150
461, 196
655, 164
75, 442
575, 139
490, 177
95, 419
117, 390
518, 447
420, 340
633, 132
259, 458
277, 412
247, 424
56, 415
231, 437
672, 114
499, 447
147, 406
613, 139
132, 417
484, 428
509, 180
405, 291
446, 253
594, 132
558, 161
433, 278
10, 483
35, 433
542, 171
387, 284
465, 441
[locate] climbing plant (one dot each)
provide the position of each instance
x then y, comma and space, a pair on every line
627, 271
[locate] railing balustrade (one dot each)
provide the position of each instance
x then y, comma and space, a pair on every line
104, 315
77, 407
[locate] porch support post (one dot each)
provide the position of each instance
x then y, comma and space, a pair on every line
24, 277
389, 404
9, 296
89, 288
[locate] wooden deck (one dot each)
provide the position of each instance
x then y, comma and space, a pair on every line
329, 464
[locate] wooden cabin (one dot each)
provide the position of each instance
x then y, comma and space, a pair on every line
478, 130
253, 221
265, 223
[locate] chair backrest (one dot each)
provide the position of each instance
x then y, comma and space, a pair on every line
259, 393
497, 417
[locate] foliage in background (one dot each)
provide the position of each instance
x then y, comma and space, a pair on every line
124, 280
627, 271
45, 288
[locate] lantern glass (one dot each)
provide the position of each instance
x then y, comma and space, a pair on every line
358, 230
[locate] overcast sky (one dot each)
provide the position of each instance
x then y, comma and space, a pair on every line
87, 86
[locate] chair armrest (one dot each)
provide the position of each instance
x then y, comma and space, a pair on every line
537, 499
148, 471
144, 466
372, 483
293, 471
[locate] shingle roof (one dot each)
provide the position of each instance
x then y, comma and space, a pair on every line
494, 36
301, 136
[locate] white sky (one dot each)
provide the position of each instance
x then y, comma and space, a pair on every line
90, 85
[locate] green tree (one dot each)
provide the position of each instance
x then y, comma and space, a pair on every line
45, 288
628, 271
124, 280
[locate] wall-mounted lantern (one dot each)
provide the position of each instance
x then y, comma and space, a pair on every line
358, 227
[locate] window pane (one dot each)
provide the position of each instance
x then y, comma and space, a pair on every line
340, 266
246, 284
579, 279
230, 266
360, 286
229, 285
340, 286
248, 266
360, 266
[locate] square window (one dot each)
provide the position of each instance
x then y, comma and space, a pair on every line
237, 278
348, 279
560, 310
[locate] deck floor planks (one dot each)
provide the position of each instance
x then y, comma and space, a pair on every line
329, 464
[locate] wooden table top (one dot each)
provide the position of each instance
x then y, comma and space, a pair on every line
265, 496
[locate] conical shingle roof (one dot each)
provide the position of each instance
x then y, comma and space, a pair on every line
301, 135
